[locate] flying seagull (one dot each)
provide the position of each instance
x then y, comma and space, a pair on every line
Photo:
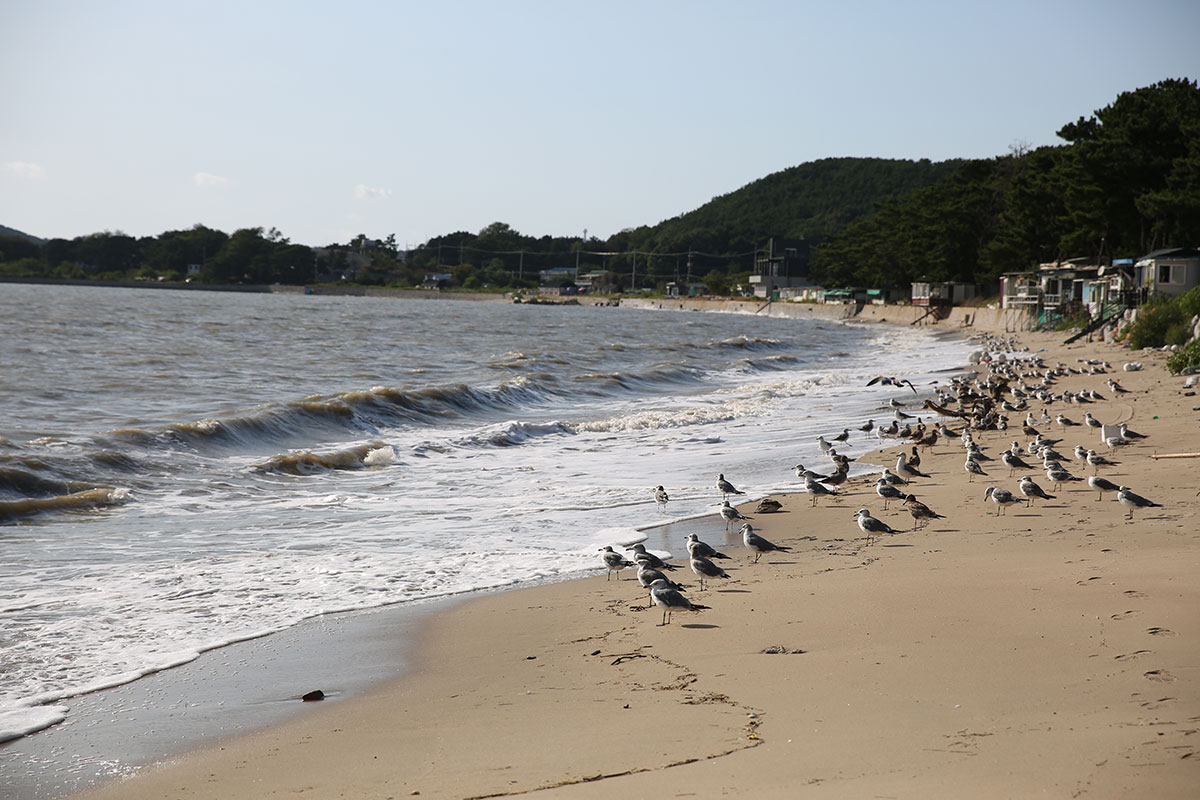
888, 381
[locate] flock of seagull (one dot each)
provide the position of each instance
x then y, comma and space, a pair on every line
981, 402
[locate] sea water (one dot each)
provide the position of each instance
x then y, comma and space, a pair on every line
180, 470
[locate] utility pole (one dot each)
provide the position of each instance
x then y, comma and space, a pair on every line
633, 277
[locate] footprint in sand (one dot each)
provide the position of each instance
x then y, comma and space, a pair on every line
1160, 675
1133, 655
1160, 631
1159, 703
1126, 614
1134, 593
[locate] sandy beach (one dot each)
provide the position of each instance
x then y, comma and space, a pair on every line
1053, 650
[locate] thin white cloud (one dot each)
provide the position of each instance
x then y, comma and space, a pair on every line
24, 169
364, 192
208, 179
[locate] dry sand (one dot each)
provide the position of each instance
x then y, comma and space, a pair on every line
1051, 651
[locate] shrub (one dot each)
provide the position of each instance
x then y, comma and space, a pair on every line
1152, 325
1184, 357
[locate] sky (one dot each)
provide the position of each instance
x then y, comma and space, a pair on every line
417, 119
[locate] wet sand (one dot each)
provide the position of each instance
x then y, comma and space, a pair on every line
1053, 650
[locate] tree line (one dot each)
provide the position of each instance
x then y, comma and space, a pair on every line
1125, 181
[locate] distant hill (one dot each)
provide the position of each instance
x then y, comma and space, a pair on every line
814, 200
16, 234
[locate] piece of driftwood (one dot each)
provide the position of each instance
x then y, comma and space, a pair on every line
1175, 455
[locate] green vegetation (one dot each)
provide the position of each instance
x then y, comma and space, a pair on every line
1165, 321
1126, 181
1185, 358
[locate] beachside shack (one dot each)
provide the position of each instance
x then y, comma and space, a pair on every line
1171, 271
782, 265
944, 293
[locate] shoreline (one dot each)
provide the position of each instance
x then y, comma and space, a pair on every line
432, 667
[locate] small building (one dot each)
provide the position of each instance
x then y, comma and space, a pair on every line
1171, 271
686, 289
783, 265
945, 293
557, 281
844, 296
436, 280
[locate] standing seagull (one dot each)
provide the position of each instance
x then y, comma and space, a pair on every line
1128, 498
843, 436
697, 548
661, 497
614, 561
1002, 498
1013, 461
1030, 489
816, 489
972, 467
648, 575
726, 487
872, 526
706, 569
921, 513
757, 543
669, 599
1091, 421
1102, 485
906, 470
729, 514
888, 492
1097, 461
643, 556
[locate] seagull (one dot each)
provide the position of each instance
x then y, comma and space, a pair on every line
1002, 498
1013, 462
887, 381
871, 526
1128, 434
729, 514
1065, 421
614, 561
1116, 387
914, 460
868, 427
921, 513
843, 436
1031, 490
1059, 476
972, 467
661, 497
906, 470
1128, 498
1080, 453
1098, 461
697, 548
726, 487
706, 569
817, 489
757, 543
888, 492
892, 478
1102, 485
669, 599
648, 575
643, 556
1091, 421
824, 445
804, 474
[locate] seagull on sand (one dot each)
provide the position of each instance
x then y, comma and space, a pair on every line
757, 543
872, 526
972, 468
1102, 485
906, 470
888, 492
614, 561
1097, 461
661, 497
1013, 462
1091, 421
817, 489
706, 569
1128, 498
699, 549
1065, 421
648, 575
1128, 434
1002, 498
669, 600
726, 488
1031, 490
804, 474
1058, 476
921, 513
729, 514
643, 556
